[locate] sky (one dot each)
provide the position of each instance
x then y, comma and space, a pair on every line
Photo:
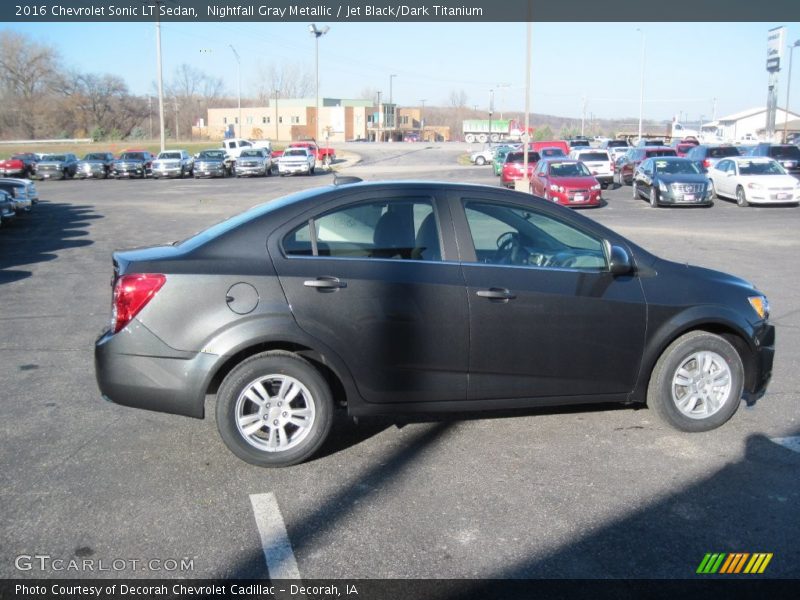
687, 65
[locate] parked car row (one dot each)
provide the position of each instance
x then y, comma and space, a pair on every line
17, 196
235, 158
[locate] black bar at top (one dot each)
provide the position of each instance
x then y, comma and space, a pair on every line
768, 11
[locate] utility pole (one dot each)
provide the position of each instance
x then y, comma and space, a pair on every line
379, 136
525, 185
176, 118
491, 111
276, 116
317, 33
641, 87
160, 75
583, 117
150, 114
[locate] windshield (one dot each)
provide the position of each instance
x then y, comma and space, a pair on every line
170, 155
569, 169
218, 154
677, 167
760, 167
593, 156
132, 156
784, 152
94, 157
295, 152
663, 152
722, 152
55, 157
250, 153
552, 152
617, 144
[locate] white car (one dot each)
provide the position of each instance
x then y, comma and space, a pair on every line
753, 180
296, 160
598, 161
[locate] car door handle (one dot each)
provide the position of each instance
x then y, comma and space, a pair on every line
501, 294
325, 283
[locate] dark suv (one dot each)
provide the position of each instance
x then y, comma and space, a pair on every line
626, 164
786, 154
707, 156
414, 297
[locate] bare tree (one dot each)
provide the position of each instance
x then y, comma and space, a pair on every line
27, 71
369, 93
458, 99
287, 80
190, 93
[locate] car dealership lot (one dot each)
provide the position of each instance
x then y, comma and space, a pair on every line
590, 492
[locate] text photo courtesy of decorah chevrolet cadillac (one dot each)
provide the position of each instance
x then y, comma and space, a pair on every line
393, 298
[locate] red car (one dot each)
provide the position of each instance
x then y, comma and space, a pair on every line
19, 165
682, 147
513, 167
566, 181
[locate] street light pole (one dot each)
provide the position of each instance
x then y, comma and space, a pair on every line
317, 33
641, 86
160, 83
239, 74
379, 135
788, 87
390, 121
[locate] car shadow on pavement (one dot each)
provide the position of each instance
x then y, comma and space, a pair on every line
38, 236
748, 506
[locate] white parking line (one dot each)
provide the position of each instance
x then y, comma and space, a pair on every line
274, 539
792, 443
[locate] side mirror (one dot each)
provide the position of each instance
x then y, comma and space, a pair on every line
619, 261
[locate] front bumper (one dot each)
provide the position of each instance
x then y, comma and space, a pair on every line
759, 372
12, 172
678, 198
168, 172
50, 173
22, 204
87, 171
135, 368
291, 169
245, 171
209, 171
130, 171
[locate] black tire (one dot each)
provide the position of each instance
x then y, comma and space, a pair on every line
664, 395
654, 198
311, 171
635, 191
712, 189
233, 407
741, 198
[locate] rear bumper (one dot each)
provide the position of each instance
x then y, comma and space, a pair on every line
135, 368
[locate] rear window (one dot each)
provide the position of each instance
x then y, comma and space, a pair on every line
722, 152
617, 144
784, 152
516, 157
593, 156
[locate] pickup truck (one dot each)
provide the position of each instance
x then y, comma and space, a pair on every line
19, 165
234, 146
296, 160
324, 156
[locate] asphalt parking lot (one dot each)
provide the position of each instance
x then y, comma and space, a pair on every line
600, 492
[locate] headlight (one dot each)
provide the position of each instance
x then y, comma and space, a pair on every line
755, 186
553, 187
760, 304
662, 186
596, 186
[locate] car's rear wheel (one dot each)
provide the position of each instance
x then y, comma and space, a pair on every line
697, 382
741, 198
635, 190
480, 161
274, 409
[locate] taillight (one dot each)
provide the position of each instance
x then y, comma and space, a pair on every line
706, 163
131, 294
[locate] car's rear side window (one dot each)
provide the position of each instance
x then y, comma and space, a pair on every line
723, 151
403, 229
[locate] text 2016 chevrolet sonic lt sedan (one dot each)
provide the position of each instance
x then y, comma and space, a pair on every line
407, 297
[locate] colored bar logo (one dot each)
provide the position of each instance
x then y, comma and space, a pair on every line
732, 563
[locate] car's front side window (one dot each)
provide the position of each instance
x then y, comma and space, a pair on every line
507, 235
403, 229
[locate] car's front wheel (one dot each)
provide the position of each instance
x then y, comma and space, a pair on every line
274, 409
697, 382
741, 198
480, 161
